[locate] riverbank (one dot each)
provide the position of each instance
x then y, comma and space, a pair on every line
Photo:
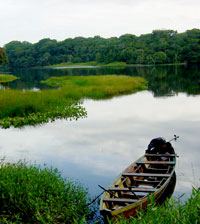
97, 64
38, 194
32, 194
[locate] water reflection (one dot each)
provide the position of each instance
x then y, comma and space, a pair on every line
162, 80
94, 150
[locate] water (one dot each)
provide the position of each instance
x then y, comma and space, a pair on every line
116, 132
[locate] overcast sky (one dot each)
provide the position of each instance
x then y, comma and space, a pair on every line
32, 20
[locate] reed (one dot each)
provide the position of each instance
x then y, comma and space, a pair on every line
34, 194
7, 78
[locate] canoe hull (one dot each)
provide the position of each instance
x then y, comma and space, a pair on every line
159, 196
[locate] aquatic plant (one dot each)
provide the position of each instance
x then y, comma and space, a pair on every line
7, 78
34, 194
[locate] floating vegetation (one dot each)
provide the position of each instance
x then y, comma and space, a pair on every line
18, 108
7, 78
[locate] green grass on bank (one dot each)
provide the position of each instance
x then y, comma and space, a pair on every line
171, 212
7, 78
102, 64
97, 87
19, 108
31, 194
91, 63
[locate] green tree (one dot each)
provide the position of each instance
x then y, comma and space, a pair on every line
3, 57
160, 57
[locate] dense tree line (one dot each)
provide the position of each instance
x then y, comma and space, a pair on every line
158, 47
3, 57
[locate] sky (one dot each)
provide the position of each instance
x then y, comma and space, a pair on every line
33, 20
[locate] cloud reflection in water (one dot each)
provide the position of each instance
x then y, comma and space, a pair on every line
96, 149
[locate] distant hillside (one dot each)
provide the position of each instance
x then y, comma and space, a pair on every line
158, 47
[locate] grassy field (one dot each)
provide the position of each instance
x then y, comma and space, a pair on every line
171, 212
7, 78
19, 108
31, 194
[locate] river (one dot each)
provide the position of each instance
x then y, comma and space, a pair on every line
94, 150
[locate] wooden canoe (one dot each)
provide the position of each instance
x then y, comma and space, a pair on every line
131, 190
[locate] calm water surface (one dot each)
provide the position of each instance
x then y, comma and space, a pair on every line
116, 132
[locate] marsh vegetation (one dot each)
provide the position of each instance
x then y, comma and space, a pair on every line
7, 78
19, 108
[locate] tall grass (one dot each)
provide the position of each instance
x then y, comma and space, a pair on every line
97, 87
31, 194
171, 212
19, 108
7, 78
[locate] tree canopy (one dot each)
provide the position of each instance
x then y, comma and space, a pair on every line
158, 47
3, 57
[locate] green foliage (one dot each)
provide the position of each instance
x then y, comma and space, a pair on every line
170, 212
130, 49
7, 78
3, 57
31, 194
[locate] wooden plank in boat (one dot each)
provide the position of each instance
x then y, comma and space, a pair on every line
145, 175
134, 189
156, 170
148, 182
161, 155
156, 162
120, 200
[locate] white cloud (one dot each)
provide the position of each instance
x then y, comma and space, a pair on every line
34, 19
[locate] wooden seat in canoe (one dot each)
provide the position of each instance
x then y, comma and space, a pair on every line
133, 189
161, 155
145, 175
120, 200
146, 182
156, 162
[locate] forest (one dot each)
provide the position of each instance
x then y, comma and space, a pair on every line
158, 47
